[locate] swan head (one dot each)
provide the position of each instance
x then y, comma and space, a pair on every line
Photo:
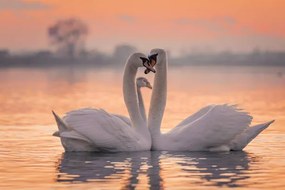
154, 57
143, 82
140, 60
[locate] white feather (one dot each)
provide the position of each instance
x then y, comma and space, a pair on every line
244, 138
212, 129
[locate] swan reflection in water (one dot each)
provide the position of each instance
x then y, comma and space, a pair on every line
227, 169
212, 169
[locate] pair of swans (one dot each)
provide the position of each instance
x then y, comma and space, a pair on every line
213, 128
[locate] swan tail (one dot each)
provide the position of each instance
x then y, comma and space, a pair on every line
242, 140
56, 134
60, 124
71, 140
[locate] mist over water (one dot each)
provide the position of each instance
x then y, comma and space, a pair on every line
32, 158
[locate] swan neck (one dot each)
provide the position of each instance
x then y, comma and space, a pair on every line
141, 104
158, 98
130, 96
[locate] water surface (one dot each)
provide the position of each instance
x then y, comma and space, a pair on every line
31, 158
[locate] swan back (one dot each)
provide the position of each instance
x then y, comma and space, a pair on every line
217, 127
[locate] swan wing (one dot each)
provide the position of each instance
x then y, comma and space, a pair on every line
243, 139
217, 127
108, 132
195, 116
74, 135
124, 119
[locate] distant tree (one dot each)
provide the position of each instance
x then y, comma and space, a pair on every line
68, 36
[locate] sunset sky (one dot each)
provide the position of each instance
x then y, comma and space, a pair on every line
180, 25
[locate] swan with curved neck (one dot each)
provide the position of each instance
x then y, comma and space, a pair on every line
96, 130
142, 82
213, 128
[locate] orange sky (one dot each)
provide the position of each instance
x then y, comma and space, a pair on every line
180, 25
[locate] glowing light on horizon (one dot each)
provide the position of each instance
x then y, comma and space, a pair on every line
236, 25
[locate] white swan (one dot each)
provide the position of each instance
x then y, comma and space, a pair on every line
96, 130
213, 128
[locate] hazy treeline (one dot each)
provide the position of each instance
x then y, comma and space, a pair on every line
121, 52
68, 37
256, 57
50, 59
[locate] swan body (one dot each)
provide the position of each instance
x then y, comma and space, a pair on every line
91, 129
213, 128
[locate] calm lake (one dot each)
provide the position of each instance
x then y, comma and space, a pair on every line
31, 158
